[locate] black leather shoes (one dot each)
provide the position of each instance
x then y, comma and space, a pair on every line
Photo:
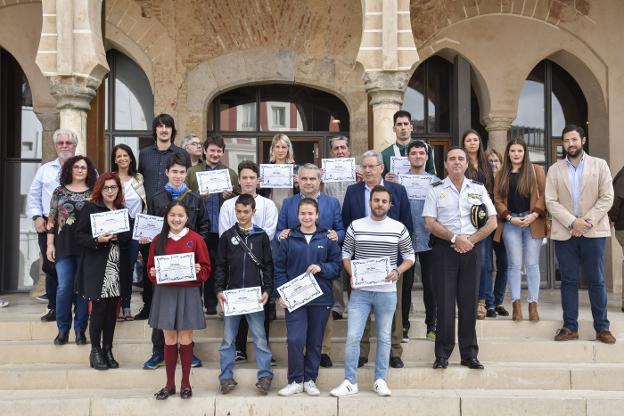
164, 393
108, 357
326, 361
362, 361
81, 339
50, 316
61, 338
186, 393
473, 364
440, 363
96, 359
396, 362
143, 315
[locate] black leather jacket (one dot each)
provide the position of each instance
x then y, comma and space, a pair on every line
198, 221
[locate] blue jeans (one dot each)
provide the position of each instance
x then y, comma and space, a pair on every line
522, 248
485, 283
500, 282
361, 303
227, 350
304, 331
133, 253
587, 254
66, 296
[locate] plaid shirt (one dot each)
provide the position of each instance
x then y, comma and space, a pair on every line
152, 164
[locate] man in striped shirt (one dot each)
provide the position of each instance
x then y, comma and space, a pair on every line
374, 237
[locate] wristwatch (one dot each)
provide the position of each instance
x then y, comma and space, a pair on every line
509, 218
34, 217
454, 238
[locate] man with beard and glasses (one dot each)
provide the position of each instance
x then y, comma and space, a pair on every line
579, 194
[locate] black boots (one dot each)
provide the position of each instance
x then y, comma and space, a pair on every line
61, 338
81, 338
96, 359
108, 357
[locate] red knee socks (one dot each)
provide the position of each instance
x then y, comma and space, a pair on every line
171, 360
186, 359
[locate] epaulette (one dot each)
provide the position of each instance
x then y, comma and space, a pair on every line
437, 183
476, 182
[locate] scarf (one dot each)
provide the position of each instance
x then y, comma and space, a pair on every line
175, 193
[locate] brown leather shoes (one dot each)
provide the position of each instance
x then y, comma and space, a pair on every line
516, 313
564, 334
533, 315
481, 311
605, 336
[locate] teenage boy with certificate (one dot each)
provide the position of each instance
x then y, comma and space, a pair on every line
244, 260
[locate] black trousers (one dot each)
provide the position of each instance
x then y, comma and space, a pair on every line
148, 288
456, 282
210, 297
429, 299
48, 268
102, 321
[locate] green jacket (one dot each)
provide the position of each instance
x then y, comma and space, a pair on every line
191, 179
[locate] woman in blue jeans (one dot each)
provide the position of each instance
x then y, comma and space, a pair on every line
78, 175
307, 249
520, 204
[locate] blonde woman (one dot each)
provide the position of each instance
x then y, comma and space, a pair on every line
281, 152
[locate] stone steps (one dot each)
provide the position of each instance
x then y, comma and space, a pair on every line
416, 375
244, 401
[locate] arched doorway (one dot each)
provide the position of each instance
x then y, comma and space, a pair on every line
20, 156
248, 117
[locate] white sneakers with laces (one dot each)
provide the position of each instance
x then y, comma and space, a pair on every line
292, 388
310, 388
346, 388
381, 388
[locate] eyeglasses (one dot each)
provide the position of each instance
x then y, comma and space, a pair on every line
365, 167
65, 143
112, 188
79, 167
195, 144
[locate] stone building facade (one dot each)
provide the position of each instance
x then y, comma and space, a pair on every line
365, 53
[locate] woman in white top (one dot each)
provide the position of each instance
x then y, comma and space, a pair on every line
125, 165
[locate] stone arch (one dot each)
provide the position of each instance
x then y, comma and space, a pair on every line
214, 76
115, 39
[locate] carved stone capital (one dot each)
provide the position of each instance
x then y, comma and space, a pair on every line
386, 81
498, 123
72, 92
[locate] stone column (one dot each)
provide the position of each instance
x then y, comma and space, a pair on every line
50, 121
386, 89
74, 95
497, 127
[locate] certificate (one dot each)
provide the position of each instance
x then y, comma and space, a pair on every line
399, 164
339, 170
214, 181
276, 176
299, 291
417, 186
148, 226
242, 301
110, 222
370, 272
175, 268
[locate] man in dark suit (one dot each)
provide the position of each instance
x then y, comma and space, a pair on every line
356, 206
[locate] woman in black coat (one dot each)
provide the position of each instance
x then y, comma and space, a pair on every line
102, 274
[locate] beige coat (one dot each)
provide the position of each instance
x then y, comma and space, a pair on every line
595, 200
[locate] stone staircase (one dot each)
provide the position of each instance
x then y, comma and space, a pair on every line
526, 373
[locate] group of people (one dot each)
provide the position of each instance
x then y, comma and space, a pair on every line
256, 237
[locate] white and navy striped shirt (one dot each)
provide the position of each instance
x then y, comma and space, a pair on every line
367, 239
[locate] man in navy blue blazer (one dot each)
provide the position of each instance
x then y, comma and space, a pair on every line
354, 207
329, 208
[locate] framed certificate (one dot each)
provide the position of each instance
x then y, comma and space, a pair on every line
370, 272
242, 301
109, 222
338, 170
148, 226
399, 164
214, 181
417, 186
276, 175
299, 291
175, 268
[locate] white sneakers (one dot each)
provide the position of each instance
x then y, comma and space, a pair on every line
346, 388
310, 388
292, 388
381, 388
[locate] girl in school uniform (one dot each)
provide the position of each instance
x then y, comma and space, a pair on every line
177, 307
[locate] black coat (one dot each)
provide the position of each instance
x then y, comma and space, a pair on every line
92, 264
197, 219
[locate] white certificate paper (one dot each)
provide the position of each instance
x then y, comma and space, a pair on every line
242, 301
370, 272
299, 291
417, 186
399, 164
276, 176
148, 226
339, 170
214, 181
110, 222
175, 268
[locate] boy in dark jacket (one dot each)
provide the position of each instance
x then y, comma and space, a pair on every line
236, 269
